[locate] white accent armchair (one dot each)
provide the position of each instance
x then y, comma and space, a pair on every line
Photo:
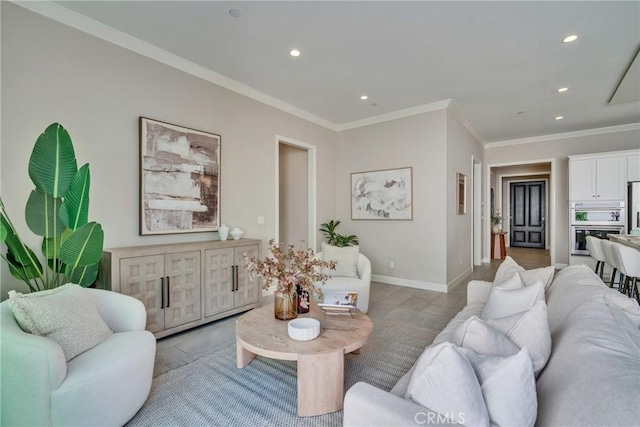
104, 386
360, 284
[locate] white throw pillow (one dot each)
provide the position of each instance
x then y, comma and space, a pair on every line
66, 314
529, 277
530, 330
445, 382
505, 270
475, 334
505, 302
508, 387
513, 282
346, 259
544, 275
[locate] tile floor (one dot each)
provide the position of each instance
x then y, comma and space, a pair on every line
428, 308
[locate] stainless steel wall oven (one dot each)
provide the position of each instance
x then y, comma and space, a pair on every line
594, 218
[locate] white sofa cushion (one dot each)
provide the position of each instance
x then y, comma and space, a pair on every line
530, 330
505, 302
508, 387
66, 314
445, 382
346, 259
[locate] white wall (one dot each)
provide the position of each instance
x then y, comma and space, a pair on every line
97, 90
461, 146
559, 149
418, 247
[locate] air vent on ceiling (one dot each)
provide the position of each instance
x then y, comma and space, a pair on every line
629, 88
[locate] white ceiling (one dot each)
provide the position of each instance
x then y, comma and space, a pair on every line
494, 59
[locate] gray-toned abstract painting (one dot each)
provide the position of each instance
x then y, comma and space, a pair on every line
179, 179
383, 194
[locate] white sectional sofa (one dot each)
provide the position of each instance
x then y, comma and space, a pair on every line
592, 377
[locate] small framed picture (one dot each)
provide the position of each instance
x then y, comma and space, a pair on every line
461, 194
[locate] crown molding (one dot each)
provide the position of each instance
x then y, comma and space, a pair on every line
566, 135
394, 115
87, 25
457, 112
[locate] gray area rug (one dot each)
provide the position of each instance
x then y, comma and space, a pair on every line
211, 391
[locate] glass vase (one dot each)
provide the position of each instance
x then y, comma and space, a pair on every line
285, 305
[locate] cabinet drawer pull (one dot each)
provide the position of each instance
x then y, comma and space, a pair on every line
162, 292
168, 292
237, 285
233, 278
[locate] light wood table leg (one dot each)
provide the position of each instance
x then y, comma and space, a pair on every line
243, 356
320, 383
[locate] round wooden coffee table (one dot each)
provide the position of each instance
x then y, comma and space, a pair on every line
320, 361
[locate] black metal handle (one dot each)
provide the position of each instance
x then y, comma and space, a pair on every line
168, 292
233, 278
162, 292
237, 280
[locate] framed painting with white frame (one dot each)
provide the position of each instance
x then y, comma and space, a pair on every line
382, 194
179, 179
461, 193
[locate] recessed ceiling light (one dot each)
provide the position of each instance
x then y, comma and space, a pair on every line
234, 12
563, 89
294, 53
559, 117
570, 38
363, 97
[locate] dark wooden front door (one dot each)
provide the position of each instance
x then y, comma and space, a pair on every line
527, 227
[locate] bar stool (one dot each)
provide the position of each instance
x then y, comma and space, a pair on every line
605, 245
595, 251
628, 262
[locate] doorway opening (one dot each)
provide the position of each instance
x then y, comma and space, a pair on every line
524, 194
295, 217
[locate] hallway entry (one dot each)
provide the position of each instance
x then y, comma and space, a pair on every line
293, 195
528, 207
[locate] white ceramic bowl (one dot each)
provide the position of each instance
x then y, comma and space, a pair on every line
304, 329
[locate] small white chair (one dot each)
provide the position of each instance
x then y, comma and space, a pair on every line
360, 284
595, 251
605, 245
628, 260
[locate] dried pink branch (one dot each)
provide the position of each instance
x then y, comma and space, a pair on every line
288, 267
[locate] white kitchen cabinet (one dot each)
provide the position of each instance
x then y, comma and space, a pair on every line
601, 178
633, 168
183, 285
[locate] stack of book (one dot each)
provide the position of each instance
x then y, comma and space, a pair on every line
339, 303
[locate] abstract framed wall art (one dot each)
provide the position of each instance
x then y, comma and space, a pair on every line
179, 179
382, 194
461, 193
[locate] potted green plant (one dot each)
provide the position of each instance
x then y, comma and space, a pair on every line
57, 210
496, 222
328, 229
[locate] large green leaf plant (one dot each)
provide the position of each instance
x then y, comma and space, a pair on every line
58, 211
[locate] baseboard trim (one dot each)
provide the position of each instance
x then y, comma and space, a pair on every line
409, 283
486, 260
460, 278
560, 266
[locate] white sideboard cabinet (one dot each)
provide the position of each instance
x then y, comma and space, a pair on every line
183, 285
597, 177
